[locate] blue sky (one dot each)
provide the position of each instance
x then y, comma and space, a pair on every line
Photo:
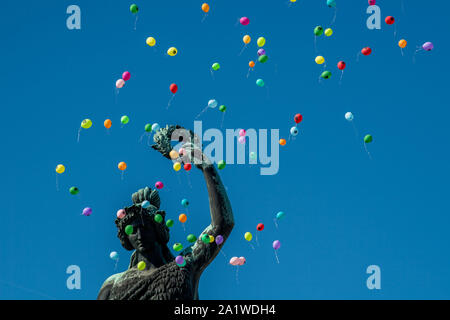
344, 211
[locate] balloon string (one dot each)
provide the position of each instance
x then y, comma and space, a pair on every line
357, 56
204, 17
276, 224
340, 79
226, 258
201, 112
237, 271
212, 73
276, 255
251, 246
315, 43
401, 50
257, 242
189, 180
248, 73
135, 22
223, 118
170, 101
115, 266
78, 137
243, 48
57, 186
121, 176
184, 228
356, 130
334, 17
365, 147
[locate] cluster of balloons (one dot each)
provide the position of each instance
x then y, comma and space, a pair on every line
121, 82
235, 261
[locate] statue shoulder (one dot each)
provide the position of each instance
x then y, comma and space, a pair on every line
107, 285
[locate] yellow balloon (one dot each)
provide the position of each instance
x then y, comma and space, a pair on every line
320, 59
402, 43
141, 265
151, 41
211, 239
293, 0
248, 236
86, 123
328, 32
177, 166
246, 39
60, 168
261, 41
172, 51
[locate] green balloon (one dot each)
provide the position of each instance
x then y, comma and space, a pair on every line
169, 223
205, 238
191, 238
148, 127
326, 74
124, 119
129, 229
134, 8
177, 247
318, 30
368, 139
158, 218
260, 83
216, 66
221, 165
263, 58
222, 108
74, 190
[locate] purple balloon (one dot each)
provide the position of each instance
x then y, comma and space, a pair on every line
261, 52
428, 46
276, 244
219, 240
87, 212
179, 259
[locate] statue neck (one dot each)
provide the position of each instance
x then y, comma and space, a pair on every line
153, 258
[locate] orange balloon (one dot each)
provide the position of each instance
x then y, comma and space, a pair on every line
402, 43
246, 39
205, 7
182, 218
107, 123
282, 142
122, 166
251, 64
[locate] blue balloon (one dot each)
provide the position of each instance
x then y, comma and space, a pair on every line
280, 215
331, 3
185, 203
145, 204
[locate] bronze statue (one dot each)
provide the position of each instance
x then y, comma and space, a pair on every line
162, 278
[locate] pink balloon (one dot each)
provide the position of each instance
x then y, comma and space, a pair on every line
242, 132
120, 213
181, 151
241, 140
372, 2
242, 261
244, 21
126, 76
234, 261
120, 83
159, 185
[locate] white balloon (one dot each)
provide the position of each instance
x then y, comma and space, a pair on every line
114, 255
294, 131
349, 116
212, 103
155, 127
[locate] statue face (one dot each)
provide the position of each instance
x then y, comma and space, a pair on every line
143, 237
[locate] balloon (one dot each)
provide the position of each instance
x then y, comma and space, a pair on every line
260, 83
261, 41
222, 108
121, 213
173, 154
124, 119
341, 65
87, 211
294, 131
107, 123
328, 32
366, 51
253, 155
251, 64
244, 21
318, 31
191, 238
120, 83
122, 166
276, 244
172, 51
145, 204
177, 166
320, 59
216, 66
86, 123
242, 133
389, 20
141, 265
221, 164
158, 218
155, 127
205, 238
179, 259
205, 9
151, 41
74, 190
219, 240
326, 74
211, 239
148, 127
212, 103
241, 140
60, 168
261, 52
368, 138
260, 227
372, 2
234, 261
173, 88
177, 247
349, 116
263, 58
170, 223
129, 229
182, 217
280, 215
126, 76
248, 236
298, 118
246, 39
114, 255
185, 203
428, 46
182, 265
159, 185
331, 3
134, 8
282, 142
187, 166
242, 261
402, 43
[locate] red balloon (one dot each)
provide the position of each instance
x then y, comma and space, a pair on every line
260, 227
187, 166
173, 88
366, 51
341, 65
298, 118
389, 20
